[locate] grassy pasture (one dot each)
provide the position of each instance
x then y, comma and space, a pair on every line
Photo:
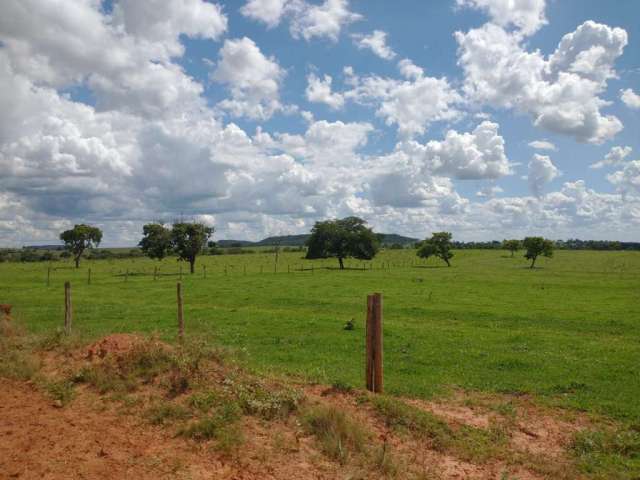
568, 331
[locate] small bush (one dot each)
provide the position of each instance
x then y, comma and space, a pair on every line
263, 401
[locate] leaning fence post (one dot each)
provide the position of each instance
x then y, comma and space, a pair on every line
68, 311
180, 312
374, 372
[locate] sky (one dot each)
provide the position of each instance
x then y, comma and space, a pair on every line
491, 119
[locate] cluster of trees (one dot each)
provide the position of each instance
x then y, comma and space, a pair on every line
534, 247
187, 240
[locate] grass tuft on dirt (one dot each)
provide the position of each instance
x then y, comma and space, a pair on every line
464, 441
339, 436
611, 453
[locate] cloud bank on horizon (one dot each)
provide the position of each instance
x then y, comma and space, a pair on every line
487, 118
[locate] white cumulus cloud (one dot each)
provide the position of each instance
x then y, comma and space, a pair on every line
526, 15
615, 157
541, 172
630, 98
562, 93
319, 91
376, 42
253, 79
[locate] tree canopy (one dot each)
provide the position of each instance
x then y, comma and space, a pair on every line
79, 238
512, 245
189, 240
344, 238
439, 245
536, 246
156, 241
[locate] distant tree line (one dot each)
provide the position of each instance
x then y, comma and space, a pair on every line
340, 238
571, 244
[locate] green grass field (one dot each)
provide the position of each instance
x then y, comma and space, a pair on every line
568, 332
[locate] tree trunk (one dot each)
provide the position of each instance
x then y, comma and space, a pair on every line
448, 263
533, 262
77, 260
341, 263
512, 252
192, 265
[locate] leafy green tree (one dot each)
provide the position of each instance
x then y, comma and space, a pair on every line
79, 238
189, 239
536, 246
156, 241
439, 245
344, 238
512, 245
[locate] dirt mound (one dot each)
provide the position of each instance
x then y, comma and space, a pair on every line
116, 345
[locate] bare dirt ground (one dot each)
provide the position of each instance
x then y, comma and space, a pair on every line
93, 437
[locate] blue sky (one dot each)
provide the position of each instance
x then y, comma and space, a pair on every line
126, 112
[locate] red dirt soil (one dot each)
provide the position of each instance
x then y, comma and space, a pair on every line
92, 438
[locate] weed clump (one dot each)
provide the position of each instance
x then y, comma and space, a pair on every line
220, 424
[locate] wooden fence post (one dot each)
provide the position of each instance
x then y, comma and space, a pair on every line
48, 275
204, 271
89, 277
68, 311
126, 275
155, 273
180, 313
374, 372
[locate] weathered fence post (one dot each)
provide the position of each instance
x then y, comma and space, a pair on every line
68, 310
180, 313
374, 376
155, 273
48, 275
126, 275
204, 271
89, 277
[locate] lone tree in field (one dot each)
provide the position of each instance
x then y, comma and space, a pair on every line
345, 238
79, 238
189, 240
512, 245
536, 246
439, 245
156, 241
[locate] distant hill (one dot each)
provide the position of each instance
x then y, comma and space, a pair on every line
299, 240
